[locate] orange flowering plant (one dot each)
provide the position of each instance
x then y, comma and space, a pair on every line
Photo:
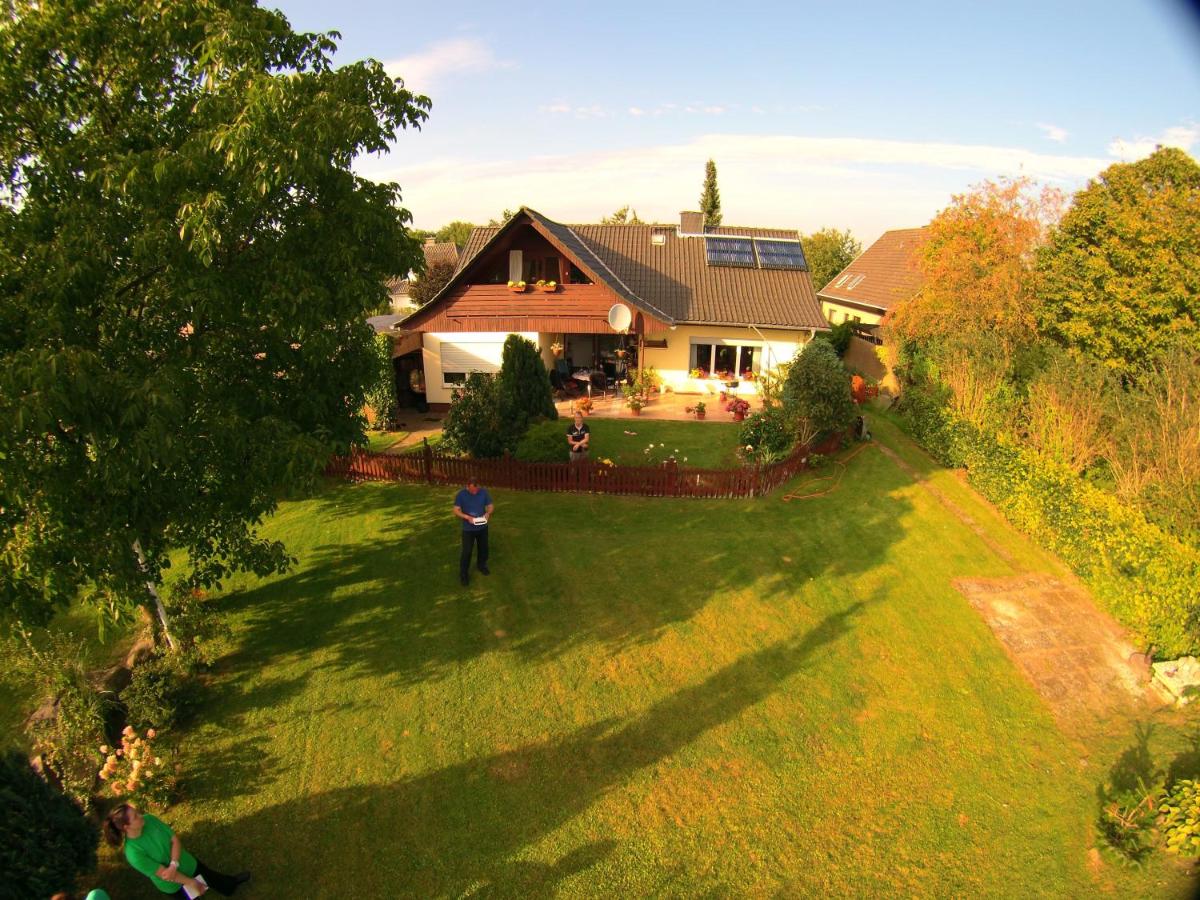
137, 772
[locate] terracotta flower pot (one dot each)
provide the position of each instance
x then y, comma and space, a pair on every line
700, 414
739, 417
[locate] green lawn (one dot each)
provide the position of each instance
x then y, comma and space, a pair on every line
709, 445
378, 441
647, 697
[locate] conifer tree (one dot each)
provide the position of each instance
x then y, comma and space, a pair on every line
710, 196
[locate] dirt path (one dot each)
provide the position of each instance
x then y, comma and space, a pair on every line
1075, 655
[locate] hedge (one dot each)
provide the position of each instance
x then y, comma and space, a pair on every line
1148, 579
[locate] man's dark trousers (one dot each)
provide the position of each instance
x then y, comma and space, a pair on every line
470, 538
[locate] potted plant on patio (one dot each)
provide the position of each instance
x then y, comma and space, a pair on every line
738, 408
583, 405
517, 287
698, 409
635, 404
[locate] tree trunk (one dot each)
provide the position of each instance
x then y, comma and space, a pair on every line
153, 590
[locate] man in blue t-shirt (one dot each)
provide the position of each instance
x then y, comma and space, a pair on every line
473, 505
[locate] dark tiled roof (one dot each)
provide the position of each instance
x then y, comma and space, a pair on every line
888, 268
675, 277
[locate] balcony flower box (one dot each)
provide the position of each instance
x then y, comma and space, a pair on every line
517, 287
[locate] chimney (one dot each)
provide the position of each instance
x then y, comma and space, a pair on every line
430, 241
691, 223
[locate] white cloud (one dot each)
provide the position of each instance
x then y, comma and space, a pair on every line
422, 70
868, 184
1182, 136
636, 111
1053, 132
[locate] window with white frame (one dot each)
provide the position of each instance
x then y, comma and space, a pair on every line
726, 358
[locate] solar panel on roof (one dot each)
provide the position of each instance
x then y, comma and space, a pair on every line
725, 251
780, 254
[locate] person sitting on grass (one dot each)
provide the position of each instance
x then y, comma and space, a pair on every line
154, 850
578, 438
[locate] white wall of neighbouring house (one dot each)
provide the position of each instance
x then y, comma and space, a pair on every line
463, 351
674, 363
835, 313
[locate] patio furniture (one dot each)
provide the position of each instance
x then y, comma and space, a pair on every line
602, 383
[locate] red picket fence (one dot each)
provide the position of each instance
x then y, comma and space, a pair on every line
667, 480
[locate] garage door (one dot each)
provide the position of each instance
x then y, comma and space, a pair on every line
459, 359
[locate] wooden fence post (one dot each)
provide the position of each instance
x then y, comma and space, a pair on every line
427, 461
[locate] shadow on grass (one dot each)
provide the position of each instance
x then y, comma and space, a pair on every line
1128, 798
568, 570
458, 830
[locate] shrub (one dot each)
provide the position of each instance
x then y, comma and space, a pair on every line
381, 391
1181, 818
838, 337
474, 425
198, 628
46, 842
161, 693
136, 771
816, 393
1126, 824
1148, 578
767, 432
68, 734
523, 388
543, 442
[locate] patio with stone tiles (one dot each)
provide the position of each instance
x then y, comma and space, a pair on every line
668, 406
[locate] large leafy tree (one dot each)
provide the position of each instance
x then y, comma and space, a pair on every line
978, 267
186, 260
1120, 278
828, 251
710, 196
456, 232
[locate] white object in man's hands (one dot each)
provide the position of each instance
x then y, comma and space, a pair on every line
187, 889
479, 520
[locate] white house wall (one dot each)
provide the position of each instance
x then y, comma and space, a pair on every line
487, 345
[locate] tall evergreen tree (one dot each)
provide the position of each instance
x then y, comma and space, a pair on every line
710, 196
524, 386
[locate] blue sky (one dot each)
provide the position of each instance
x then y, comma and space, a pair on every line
867, 116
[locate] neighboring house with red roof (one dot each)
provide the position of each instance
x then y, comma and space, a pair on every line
885, 274
727, 300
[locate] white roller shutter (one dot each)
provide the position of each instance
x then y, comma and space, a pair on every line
473, 357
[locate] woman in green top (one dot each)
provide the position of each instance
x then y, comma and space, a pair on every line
153, 849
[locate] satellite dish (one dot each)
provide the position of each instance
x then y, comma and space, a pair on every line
619, 317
